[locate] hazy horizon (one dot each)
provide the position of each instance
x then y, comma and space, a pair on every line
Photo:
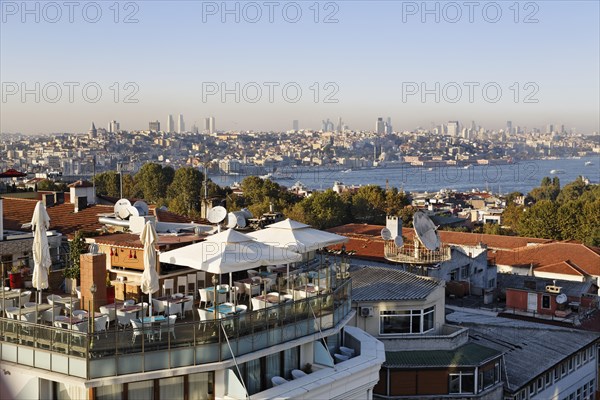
366, 65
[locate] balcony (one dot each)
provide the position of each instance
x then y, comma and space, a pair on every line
415, 253
156, 347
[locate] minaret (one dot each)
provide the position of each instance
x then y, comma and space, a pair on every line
92, 132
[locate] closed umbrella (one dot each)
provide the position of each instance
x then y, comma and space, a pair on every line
149, 282
40, 222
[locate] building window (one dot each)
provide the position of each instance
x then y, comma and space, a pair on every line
548, 378
532, 389
546, 301
489, 377
464, 272
453, 274
394, 322
492, 283
462, 382
540, 384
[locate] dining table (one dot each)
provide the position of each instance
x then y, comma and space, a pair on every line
226, 309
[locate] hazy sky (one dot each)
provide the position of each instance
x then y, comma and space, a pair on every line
374, 61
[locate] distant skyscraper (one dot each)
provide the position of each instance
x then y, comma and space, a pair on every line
327, 126
453, 128
211, 125
380, 126
549, 128
206, 127
388, 126
170, 124
509, 127
113, 127
295, 125
180, 124
340, 126
154, 126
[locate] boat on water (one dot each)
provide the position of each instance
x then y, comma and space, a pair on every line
588, 163
276, 176
557, 171
347, 171
468, 166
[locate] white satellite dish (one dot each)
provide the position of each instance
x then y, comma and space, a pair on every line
241, 218
247, 213
399, 241
142, 207
426, 231
133, 211
216, 214
231, 221
561, 298
386, 234
121, 208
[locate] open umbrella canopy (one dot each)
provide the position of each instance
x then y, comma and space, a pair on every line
12, 173
149, 237
40, 222
228, 251
296, 236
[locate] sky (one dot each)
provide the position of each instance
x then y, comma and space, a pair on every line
261, 65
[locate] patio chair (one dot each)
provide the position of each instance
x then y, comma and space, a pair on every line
158, 306
79, 314
191, 284
340, 358
252, 273
203, 297
110, 312
170, 325
205, 316
181, 283
188, 305
129, 302
297, 374
140, 330
81, 330
173, 309
30, 304
49, 315
200, 278
29, 317
278, 380
241, 289
144, 310
101, 325
347, 351
124, 318
52, 298
168, 284
25, 296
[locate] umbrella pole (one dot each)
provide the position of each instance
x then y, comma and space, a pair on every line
149, 305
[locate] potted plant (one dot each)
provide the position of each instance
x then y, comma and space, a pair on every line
76, 248
110, 289
15, 277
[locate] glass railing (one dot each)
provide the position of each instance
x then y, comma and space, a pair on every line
155, 346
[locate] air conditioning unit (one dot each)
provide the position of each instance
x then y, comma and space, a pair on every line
553, 289
366, 311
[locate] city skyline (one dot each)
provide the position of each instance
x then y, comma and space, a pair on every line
378, 59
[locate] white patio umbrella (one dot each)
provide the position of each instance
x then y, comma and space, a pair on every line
40, 222
149, 283
296, 236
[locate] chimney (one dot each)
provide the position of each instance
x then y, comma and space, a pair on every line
59, 197
81, 203
48, 199
1, 220
394, 224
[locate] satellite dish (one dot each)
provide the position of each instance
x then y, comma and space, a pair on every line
399, 241
121, 208
231, 221
426, 231
93, 248
561, 298
142, 207
247, 213
241, 218
133, 211
216, 214
163, 208
386, 234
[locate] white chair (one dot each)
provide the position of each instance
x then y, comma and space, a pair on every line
81, 330
129, 302
52, 298
140, 330
251, 290
181, 283
12, 312
78, 291
257, 304
29, 317
203, 297
124, 318
110, 312
278, 380
287, 297
178, 295
79, 314
340, 357
200, 279
100, 325
30, 304
173, 309
243, 308
144, 310
191, 284
25, 296
297, 374
168, 284
158, 306
50, 315
252, 273
188, 305
241, 289
68, 304
170, 324
205, 316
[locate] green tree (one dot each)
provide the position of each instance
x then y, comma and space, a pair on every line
569, 218
46, 185
511, 216
407, 213
107, 184
395, 201
184, 191
540, 221
572, 191
549, 190
590, 226
368, 205
152, 181
76, 247
321, 210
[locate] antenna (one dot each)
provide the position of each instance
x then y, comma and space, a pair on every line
216, 214
231, 221
121, 208
561, 298
426, 231
386, 234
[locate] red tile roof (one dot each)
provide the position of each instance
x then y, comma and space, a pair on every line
62, 216
563, 267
